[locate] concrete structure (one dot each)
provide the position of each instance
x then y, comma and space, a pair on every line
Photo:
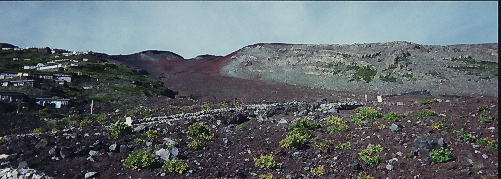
12, 97
58, 103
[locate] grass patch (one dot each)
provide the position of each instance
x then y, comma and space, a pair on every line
424, 114
429, 101
370, 155
139, 159
440, 155
388, 78
393, 117
365, 73
175, 166
266, 161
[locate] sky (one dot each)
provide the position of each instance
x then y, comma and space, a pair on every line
219, 28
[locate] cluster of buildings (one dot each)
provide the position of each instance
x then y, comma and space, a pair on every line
55, 65
32, 80
19, 98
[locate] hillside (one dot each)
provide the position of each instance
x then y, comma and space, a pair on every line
264, 111
383, 68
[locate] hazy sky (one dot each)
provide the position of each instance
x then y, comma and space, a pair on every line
195, 28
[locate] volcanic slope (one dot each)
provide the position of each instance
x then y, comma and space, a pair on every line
383, 68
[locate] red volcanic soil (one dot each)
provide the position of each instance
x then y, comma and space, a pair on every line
200, 78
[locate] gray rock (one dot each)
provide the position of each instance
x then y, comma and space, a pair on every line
23, 164
124, 149
441, 142
90, 174
485, 156
113, 147
93, 153
52, 151
333, 110
389, 167
282, 121
174, 153
140, 128
425, 144
394, 128
163, 154
400, 103
169, 142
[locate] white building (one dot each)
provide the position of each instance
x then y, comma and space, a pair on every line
58, 103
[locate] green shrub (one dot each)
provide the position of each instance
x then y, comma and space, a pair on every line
368, 113
440, 155
370, 155
324, 145
175, 166
223, 106
206, 107
483, 109
484, 118
84, 123
138, 141
343, 146
429, 101
365, 73
37, 130
337, 124
295, 140
266, 176
266, 161
363, 175
101, 119
240, 127
382, 126
393, 117
318, 171
139, 159
198, 129
357, 119
388, 78
437, 126
196, 144
151, 134
120, 129
304, 124
468, 138
424, 114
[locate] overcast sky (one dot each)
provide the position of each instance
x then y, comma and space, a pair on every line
194, 28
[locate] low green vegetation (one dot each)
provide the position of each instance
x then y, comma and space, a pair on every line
436, 74
474, 67
388, 78
424, 114
299, 134
343, 146
240, 127
437, 126
370, 155
364, 175
120, 129
224, 106
440, 155
265, 176
206, 107
175, 166
468, 138
323, 145
138, 141
365, 73
266, 161
201, 135
318, 171
429, 101
393, 117
151, 134
139, 159
336, 124
364, 113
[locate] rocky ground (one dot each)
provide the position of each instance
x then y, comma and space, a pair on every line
383, 68
74, 152
255, 116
